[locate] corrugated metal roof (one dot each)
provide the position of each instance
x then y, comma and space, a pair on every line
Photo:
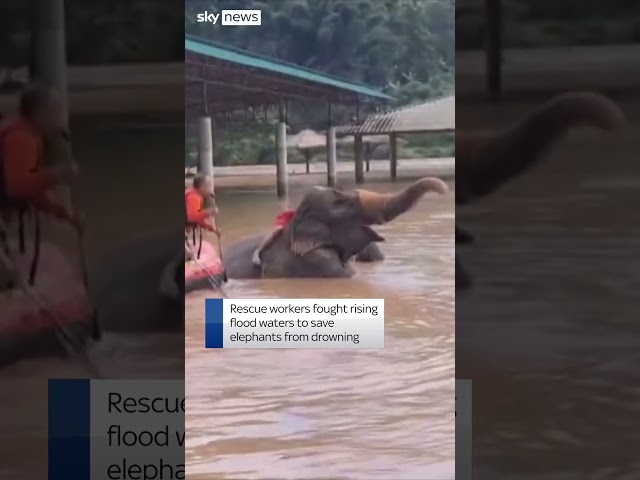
241, 57
436, 115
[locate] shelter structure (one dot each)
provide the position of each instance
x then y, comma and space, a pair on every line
306, 142
221, 79
437, 116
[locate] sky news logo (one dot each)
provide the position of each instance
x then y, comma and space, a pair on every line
232, 17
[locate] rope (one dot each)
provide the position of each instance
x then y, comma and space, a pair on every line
225, 278
215, 204
68, 342
200, 242
21, 230
96, 332
213, 281
36, 249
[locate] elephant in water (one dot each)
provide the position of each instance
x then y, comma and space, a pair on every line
370, 254
330, 227
486, 161
124, 286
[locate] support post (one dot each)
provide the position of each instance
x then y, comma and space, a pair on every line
48, 49
367, 155
307, 158
393, 153
493, 45
281, 162
48, 65
205, 146
331, 157
358, 152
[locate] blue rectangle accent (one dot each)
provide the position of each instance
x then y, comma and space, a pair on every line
69, 429
214, 333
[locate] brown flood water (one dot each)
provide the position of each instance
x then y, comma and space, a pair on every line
311, 414
259, 413
105, 148
550, 332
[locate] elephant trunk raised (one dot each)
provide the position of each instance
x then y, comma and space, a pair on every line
484, 162
330, 228
381, 208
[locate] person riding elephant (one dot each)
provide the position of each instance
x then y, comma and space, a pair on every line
329, 229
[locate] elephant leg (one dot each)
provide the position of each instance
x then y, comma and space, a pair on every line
371, 253
463, 278
463, 236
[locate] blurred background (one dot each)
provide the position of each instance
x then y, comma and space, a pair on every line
125, 75
546, 331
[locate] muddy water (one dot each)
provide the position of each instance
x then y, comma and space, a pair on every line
115, 155
550, 333
296, 414
374, 414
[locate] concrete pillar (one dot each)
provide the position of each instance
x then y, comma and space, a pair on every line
48, 65
307, 158
358, 152
205, 146
281, 162
368, 150
205, 152
48, 49
331, 157
393, 153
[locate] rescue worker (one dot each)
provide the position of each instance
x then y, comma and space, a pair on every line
26, 184
24, 181
197, 215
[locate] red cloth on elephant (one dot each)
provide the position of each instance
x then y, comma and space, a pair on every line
284, 218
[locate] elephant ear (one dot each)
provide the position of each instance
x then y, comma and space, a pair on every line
307, 233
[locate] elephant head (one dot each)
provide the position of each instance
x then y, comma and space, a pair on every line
331, 226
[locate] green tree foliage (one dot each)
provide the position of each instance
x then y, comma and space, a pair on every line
405, 46
122, 31
14, 38
100, 31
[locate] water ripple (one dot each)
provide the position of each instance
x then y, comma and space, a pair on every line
314, 414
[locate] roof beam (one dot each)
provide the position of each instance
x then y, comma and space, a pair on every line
224, 67
248, 88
